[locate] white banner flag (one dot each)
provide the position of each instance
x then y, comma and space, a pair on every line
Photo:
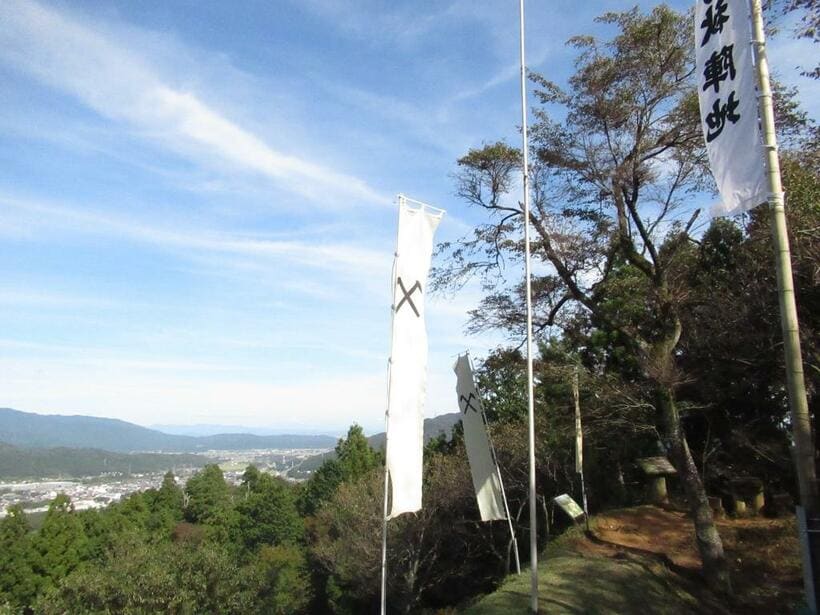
728, 104
579, 433
408, 361
488, 490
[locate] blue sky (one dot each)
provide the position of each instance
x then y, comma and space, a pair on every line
197, 206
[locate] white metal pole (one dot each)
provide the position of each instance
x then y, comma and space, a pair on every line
386, 417
530, 401
498, 473
384, 524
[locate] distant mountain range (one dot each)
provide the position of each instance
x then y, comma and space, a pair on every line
26, 429
37, 463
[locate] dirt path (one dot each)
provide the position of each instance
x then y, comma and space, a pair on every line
644, 560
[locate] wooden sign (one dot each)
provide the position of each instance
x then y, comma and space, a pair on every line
569, 506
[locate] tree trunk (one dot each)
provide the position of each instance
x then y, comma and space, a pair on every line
710, 546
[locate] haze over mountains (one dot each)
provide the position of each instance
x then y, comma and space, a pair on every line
207, 429
25, 429
34, 445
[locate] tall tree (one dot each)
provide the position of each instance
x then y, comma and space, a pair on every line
731, 341
267, 514
437, 557
61, 544
18, 582
355, 455
614, 158
353, 459
208, 495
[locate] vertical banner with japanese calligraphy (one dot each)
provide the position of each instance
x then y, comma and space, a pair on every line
408, 360
483, 468
728, 104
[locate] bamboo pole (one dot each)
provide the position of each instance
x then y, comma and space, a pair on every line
798, 404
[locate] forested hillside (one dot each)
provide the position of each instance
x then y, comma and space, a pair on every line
40, 430
28, 463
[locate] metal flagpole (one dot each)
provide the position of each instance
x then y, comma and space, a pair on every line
386, 417
801, 425
530, 401
384, 525
498, 474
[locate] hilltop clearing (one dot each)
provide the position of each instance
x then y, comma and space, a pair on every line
643, 560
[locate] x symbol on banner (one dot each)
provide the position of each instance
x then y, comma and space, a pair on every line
408, 296
468, 403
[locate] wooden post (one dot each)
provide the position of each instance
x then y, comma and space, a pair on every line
657, 490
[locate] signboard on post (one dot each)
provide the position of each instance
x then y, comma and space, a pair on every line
569, 506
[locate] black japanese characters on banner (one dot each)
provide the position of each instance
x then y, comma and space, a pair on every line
719, 68
713, 21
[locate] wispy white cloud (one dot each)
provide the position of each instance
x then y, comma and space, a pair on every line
342, 258
503, 76
118, 83
374, 21
90, 357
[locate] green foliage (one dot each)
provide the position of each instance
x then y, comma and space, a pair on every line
19, 463
354, 458
165, 506
732, 344
138, 577
320, 487
502, 381
61, 544
437, 556
18, 582
267, 514
283, 580
208, 496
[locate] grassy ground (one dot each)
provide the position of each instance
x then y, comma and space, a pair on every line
643, 560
